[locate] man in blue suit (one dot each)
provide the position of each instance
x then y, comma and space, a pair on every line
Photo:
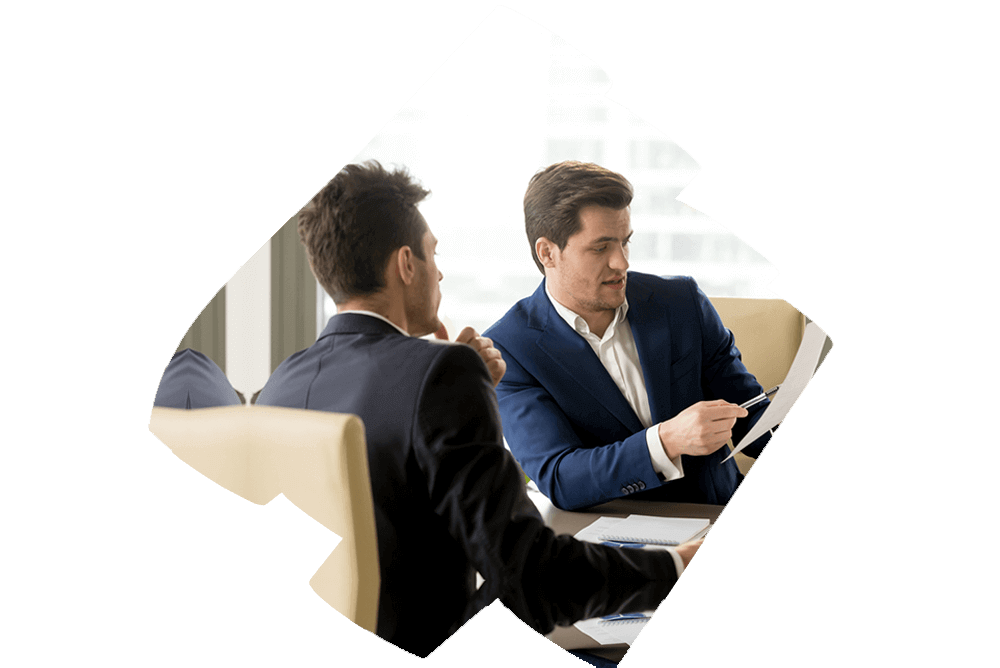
449, 500
618, 383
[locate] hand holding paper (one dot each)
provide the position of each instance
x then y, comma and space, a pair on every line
799, 375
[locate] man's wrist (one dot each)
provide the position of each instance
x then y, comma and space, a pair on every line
666, 443
667, 467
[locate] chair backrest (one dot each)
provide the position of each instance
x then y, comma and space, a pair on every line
768, 333
318, 460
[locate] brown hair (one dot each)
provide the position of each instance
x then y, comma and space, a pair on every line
556, 194
352, 226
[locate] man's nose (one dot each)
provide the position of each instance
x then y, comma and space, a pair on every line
619, 260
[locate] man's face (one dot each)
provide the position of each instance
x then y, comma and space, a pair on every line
425, 295
588, 275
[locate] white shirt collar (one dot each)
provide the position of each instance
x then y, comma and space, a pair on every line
380, 317
576, 321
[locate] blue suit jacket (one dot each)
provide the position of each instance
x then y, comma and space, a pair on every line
570, 427
449, 499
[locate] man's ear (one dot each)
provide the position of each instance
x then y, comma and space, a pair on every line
405, 267
546, 251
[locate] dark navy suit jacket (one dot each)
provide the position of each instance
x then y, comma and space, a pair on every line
571, 428
449, 499
193, 380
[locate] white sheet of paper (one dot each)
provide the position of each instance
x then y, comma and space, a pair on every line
592, 532
652, 530
799, 375
612, 634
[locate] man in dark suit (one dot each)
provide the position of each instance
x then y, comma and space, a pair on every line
617, 383
449, 499
193, 380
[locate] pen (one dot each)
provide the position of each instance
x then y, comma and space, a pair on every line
626, 617
618, 543
760, 397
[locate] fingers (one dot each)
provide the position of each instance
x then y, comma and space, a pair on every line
720, 409
478, 343
466, 335
700, 429
497, 368
708, 437
441, 333
489, 353
484, 346
494, 360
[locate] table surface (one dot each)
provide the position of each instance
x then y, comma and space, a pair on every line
570, 522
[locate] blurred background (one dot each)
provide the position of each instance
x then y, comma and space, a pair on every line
474, 135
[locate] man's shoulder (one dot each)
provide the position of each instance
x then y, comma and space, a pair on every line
666, 291
449, 353
382, 346
386, 345
395, 358
421, 356
191, 361
665, 284
193, 380
517, 313
526, 313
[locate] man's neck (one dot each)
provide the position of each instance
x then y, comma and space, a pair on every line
388, 309
597, 321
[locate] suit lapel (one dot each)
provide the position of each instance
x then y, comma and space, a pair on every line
650, 324
571, 352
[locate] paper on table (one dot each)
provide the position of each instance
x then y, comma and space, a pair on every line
615, 632
654, 532
592, 533
799, 374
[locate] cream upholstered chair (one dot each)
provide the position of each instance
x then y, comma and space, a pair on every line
318, 460
768, 333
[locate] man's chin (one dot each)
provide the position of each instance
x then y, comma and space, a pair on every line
426, 329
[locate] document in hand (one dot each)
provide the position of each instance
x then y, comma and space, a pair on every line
799, 374
642, 530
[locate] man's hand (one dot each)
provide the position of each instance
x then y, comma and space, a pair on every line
700, 429
482, 345
687, 550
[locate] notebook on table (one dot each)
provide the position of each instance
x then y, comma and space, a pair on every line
644, 530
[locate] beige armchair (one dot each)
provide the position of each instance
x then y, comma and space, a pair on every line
768, 333
317, 460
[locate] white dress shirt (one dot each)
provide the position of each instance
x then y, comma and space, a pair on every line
617, 352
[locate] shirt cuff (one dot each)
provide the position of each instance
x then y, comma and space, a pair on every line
678, 562
669, 469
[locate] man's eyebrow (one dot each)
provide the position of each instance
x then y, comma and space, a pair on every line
602, 240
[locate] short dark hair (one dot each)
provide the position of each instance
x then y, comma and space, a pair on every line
556, 194
352, 226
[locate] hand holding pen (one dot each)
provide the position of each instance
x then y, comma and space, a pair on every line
759, 398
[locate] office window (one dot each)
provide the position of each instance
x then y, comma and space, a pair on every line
570, 114
644, 246
584, 149
659, 155
475, 139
